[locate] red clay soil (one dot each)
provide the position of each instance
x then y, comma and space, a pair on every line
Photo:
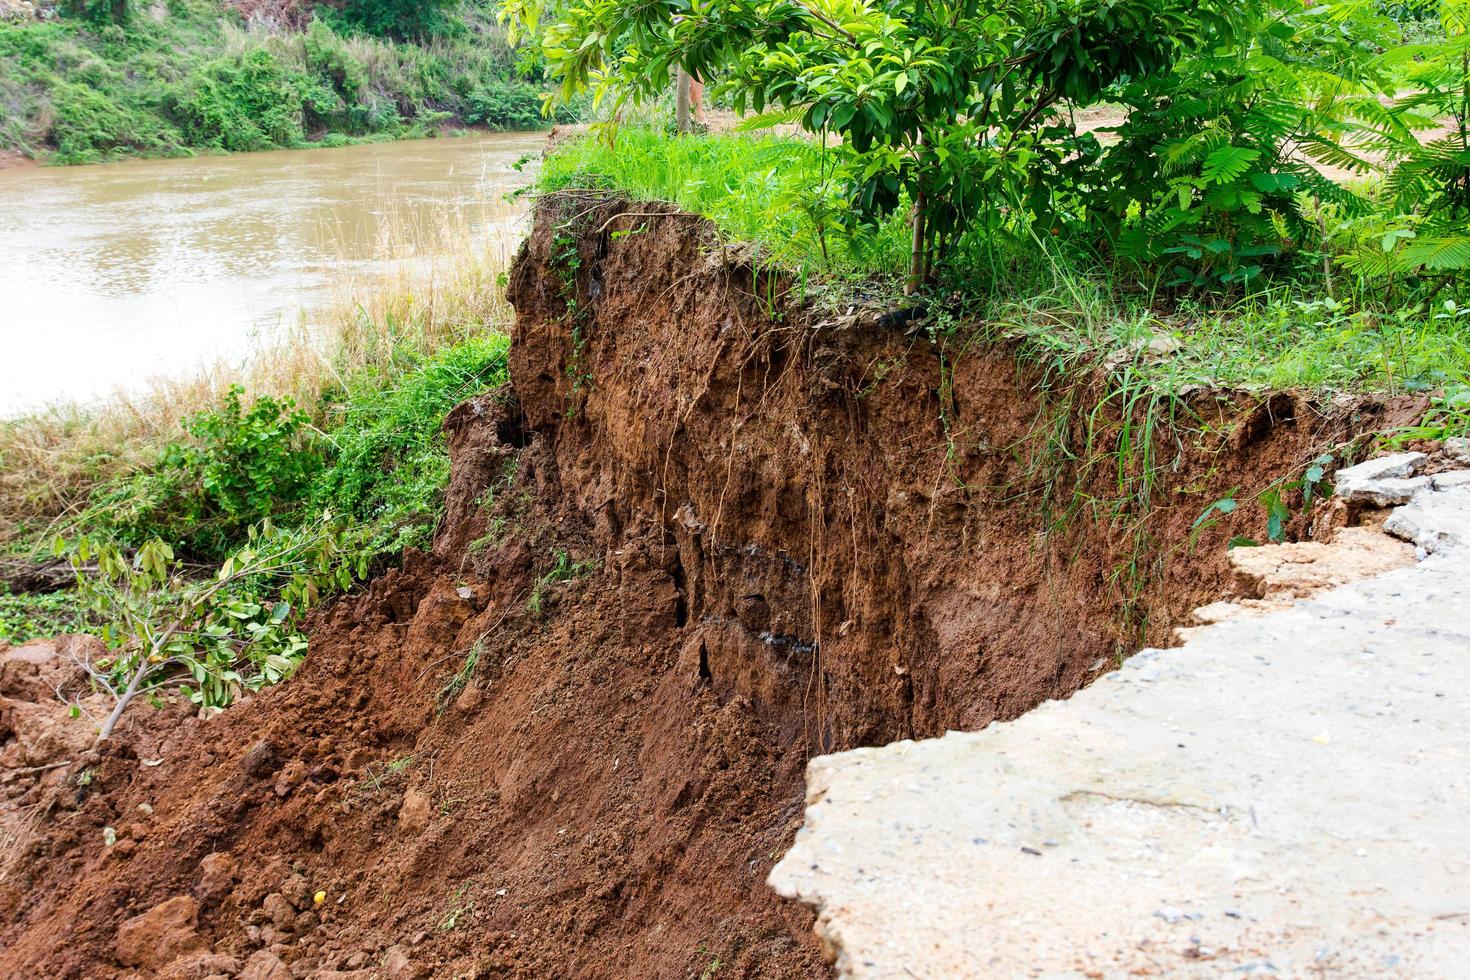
784, 533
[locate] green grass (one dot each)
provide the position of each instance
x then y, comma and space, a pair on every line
773, 190
190, 77
388, 461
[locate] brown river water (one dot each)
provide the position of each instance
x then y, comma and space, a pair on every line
113, 274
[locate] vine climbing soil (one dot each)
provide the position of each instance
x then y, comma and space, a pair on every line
705, 533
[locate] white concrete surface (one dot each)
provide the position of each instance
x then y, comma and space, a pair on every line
1287, 794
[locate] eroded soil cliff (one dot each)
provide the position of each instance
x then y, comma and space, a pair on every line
702, 536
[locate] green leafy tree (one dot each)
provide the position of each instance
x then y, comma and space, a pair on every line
403, 20
98, 11
946, 104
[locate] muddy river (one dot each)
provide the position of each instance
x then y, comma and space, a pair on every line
115, 273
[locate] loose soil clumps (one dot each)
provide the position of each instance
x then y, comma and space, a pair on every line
703, 536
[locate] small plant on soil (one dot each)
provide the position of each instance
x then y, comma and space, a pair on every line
563, 569
460, 678
376, 776
715, 962
214, 636
498, 526
457, 909
1312, 485
567, 263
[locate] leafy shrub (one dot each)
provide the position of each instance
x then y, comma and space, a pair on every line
89, 126
240, 465
350, 107
389, 462
505, 105
246, 103
400, 19
98, 11
382, 463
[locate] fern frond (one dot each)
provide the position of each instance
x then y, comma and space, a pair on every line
1334, 154
1225, 164
1440, 254
771, 118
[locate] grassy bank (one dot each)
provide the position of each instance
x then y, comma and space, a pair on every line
1329, 331
200, 76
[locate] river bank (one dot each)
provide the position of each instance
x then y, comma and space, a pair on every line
705, 532
209, 76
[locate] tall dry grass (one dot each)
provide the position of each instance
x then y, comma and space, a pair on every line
374, 325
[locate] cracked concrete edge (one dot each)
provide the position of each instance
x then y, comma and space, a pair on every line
876, 856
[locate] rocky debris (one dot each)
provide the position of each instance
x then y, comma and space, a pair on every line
39, 670
261, 761
1153, 347
1274, 576
1279, 573
43, 733
265, 965
1451, 480
292, 775
1384, 481
398, 966
161, 935
1268, 578
1396, 466
1458, 449
1284, 794
280, 911
201, 966
216, 878
18, 10
1434, 524
413, 815
297, 891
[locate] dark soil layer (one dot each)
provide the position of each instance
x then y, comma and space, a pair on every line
783, 534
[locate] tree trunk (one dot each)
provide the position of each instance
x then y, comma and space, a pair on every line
681, 101
127, 695
916, 253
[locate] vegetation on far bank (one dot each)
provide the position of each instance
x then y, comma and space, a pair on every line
106, 80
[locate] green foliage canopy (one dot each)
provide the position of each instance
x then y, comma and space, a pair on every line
945, 102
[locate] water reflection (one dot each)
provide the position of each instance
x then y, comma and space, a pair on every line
113, 273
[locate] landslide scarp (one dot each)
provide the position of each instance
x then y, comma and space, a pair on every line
704, 534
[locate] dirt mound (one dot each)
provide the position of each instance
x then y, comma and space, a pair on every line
701, 538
